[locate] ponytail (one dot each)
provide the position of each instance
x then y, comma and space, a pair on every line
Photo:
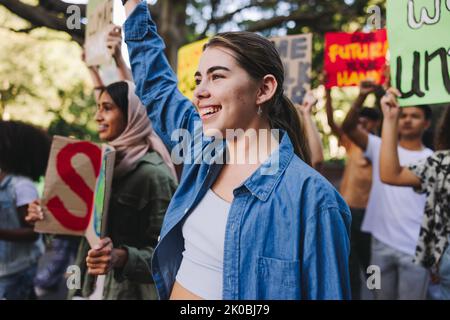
283, 115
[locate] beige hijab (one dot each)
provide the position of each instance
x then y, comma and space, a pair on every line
137, 139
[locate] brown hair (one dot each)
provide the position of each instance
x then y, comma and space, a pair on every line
443, 132
259, 57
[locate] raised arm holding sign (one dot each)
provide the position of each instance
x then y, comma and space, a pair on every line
420, 50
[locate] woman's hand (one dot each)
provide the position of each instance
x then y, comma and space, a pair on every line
114, 41
114, 44
366, 87
390, 106
308, 103
104, 257
34, 212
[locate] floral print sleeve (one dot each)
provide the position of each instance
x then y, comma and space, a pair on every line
434, 174
423, 169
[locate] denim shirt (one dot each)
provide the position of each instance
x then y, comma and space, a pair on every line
287, 233
15, 256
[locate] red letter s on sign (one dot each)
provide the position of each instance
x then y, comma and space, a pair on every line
75, 183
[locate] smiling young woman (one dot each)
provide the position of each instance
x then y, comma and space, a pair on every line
234, 230
110, 117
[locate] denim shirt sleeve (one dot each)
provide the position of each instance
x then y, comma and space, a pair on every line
156, 82
326, 252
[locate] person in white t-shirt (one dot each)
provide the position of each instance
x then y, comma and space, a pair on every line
394, 214
430, 176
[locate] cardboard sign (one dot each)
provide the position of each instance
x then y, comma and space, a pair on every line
353, 57
100, 17
188, 60
418, 31
296, 54
101, 14
77, 189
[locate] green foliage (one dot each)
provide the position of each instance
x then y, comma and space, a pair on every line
75, 118
43, 80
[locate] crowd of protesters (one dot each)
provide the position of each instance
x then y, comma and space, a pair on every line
220, 229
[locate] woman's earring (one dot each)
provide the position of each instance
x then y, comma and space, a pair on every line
259, 112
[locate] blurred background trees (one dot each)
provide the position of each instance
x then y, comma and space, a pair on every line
183, 21
43, 80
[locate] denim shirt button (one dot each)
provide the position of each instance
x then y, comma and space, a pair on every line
186, 210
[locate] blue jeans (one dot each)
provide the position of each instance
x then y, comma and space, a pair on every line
401, 278
444, 274
18, 286
52, 274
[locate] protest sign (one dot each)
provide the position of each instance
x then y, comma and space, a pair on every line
188, 59
102, 14
418, 32
296, 54
100, 17
77, 189
353, 57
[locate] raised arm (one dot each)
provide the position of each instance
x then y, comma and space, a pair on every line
95, 76
391, 172
312, 134
156, 83
335, 129
97, 81
350, 124
114, 43
130, 5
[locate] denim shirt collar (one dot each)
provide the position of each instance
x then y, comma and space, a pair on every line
262, 182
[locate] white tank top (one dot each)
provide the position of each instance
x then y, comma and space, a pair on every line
201, 269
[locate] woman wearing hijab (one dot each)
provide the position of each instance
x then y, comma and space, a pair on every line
144, 182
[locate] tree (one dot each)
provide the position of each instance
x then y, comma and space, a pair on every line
45, 13
75, 117
41, 74
179, 22
177, 27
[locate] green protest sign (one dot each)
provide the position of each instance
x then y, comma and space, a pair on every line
419, 41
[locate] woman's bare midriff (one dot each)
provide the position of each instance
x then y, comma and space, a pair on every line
181, 293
